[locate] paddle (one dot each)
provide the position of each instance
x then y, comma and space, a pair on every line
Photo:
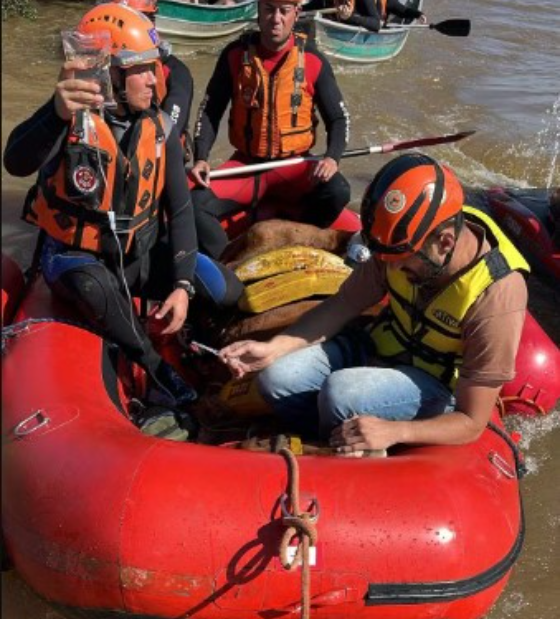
449, 27
368, 150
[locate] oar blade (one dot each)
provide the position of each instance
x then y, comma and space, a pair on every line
445, 139
453, 27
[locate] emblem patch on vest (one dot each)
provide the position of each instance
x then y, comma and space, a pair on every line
446, 318
394, 201
85, 179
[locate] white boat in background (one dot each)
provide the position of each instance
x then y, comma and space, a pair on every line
182, 19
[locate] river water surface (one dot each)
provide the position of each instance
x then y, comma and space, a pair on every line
503, 81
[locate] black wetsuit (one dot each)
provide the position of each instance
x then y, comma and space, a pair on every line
180, 88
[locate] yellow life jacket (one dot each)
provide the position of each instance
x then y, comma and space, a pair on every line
95, 181
272, 116
433, 337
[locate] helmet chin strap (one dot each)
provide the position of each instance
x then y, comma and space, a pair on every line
435, 270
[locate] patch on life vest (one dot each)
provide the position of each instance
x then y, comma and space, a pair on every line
394, 201
446, 318
85, 179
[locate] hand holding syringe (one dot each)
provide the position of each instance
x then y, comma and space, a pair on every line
203, 347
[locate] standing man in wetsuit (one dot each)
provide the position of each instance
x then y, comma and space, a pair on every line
275, 80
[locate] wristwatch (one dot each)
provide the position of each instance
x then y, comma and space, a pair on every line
186, 286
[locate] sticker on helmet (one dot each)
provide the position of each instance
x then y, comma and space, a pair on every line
394, 201
85, 179
154, 36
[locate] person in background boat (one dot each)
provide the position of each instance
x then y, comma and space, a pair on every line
274, 80
445, 343
175, 90
112, 199
369, 14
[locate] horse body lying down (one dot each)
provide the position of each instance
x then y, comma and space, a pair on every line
274, 234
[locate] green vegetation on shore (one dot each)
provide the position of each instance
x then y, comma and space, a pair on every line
25, 8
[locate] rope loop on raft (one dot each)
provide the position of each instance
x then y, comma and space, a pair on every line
520, 467
300, 524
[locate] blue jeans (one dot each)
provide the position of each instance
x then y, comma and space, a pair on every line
323, 385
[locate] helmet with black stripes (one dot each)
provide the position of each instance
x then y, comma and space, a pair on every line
408, 198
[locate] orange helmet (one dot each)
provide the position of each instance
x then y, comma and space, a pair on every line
134, 39
144, 6
407, 199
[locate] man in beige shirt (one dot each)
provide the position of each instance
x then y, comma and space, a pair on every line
446, 342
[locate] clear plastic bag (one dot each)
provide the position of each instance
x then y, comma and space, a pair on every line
93, 50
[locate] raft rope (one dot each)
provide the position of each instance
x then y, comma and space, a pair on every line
520, 467
15, 330
300, 524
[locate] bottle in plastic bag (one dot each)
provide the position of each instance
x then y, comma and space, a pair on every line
93, 49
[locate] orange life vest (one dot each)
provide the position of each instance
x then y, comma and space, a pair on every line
94, 181
272, 116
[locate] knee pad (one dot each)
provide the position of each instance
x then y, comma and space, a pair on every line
56, 260
216, 282
89, 287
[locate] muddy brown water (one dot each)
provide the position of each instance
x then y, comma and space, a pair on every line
503, 81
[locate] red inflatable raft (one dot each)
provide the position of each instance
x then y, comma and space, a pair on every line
12, 288
524, 216
98, 516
